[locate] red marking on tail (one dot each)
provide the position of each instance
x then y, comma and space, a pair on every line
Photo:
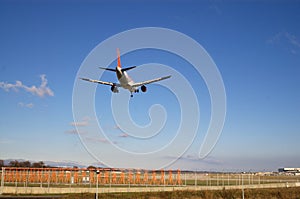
119, 59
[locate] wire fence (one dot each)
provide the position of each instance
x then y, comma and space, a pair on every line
70, 177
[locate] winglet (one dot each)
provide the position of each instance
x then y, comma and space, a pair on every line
119, 59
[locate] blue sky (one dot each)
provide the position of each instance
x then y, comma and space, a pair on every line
255, 45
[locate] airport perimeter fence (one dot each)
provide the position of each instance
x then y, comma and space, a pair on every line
70, 177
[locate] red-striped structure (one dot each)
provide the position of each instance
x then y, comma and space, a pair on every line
76, 176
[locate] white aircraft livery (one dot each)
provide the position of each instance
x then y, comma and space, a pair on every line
124, 80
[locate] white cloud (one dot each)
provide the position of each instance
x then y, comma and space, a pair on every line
287, 41
29, 105
40, 91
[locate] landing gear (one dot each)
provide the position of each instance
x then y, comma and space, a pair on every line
135, 91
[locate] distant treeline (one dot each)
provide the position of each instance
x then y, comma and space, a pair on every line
16, 163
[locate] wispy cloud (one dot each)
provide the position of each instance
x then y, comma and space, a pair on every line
215, 8
41, 91
84, 122
80, 123
99, 140
286, 40
293, 40
75, 132
29, 105
117, 127
6, 141
72, 131
194, 158
123, 135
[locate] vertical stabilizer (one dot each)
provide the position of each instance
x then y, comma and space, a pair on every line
119, 59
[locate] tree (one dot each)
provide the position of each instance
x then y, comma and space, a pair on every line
14, 163
25, 164
39, 164
91, 168
1, 163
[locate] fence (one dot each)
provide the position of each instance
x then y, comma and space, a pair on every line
70, 177
85, 177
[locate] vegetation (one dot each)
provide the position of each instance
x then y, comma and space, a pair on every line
16, 163
279, 193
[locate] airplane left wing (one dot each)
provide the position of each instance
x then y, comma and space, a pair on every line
150, 81
100, 82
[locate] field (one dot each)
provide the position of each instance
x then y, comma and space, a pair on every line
281, 193
278, 193
69, 183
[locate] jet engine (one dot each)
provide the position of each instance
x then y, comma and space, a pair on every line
114, 89
143, 88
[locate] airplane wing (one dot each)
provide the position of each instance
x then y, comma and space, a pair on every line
150, 81
101, 82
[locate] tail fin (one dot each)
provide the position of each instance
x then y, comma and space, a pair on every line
119, 59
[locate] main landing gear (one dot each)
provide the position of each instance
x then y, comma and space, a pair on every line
136, 91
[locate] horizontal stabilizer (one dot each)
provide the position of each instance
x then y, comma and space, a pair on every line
110, 69
114, 70
129, 68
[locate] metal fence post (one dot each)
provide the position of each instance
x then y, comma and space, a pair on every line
97, 174
2, 180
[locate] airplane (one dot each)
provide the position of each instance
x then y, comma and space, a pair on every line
124, 80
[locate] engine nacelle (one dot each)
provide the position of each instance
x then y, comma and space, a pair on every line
143, 88
114, 89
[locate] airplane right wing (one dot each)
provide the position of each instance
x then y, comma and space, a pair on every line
150, 81
101, 82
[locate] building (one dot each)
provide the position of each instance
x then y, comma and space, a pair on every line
295, 171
